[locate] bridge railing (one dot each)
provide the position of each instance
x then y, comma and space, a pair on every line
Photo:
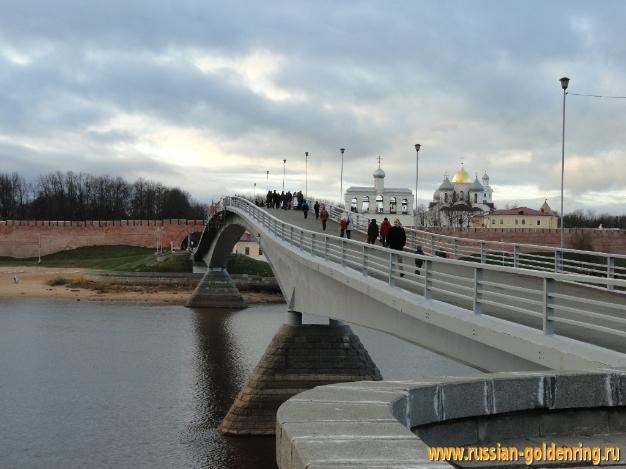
534, 298
527, 256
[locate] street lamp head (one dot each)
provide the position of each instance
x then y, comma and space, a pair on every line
417, 147
284, 161
564, 82
306, 153
342, 150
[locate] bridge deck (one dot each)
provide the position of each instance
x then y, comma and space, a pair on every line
296, 217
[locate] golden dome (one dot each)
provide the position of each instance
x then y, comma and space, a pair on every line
461, 177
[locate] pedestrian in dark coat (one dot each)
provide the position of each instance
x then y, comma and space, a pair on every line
305, 208
372, 232
384, 229
316, 208
323, 216
396, 237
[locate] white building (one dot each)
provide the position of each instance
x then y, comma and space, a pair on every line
456, 201
381, 202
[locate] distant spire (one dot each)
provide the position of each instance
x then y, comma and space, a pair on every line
379, 158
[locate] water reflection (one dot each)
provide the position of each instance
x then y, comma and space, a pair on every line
220, 374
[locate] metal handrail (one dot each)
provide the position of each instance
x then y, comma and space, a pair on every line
531, 256
399, 270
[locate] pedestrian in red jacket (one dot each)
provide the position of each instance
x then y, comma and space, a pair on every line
384, 230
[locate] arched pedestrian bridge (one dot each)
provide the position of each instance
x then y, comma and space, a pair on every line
492, 317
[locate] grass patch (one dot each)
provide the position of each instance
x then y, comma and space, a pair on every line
129, 258
57, 281
241, 264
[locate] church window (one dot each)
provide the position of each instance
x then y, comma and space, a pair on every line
353, 204
392, 205
523, 221
405, 206
379, 204
247, 251
475, 198
538, 222
366, 204
260, 252
493, 221
461, 196
445, 197
501, 221
516, 221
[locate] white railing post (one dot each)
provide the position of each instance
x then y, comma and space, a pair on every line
432, 244
558, 260
302, 240
391, 281
610, 271
548, 306
326, 247
428, 283
456, 248
516, 255
482, 252
312, 244
343, 252
364, 264
291, 235
478, 290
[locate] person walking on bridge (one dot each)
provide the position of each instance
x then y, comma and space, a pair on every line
349, 226
396, 239
343, 225
323, 216
372, 232
305, 208
384, 230
316, 208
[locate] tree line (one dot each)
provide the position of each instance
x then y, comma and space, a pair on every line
81, 196
580, 219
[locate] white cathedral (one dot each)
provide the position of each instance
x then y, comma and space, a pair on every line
456, 201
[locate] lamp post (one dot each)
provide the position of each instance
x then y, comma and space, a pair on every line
417, 169
284, 165
306, 175
267, 180
342, 150
255, 191
564, 84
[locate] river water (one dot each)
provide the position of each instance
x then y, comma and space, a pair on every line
107, 384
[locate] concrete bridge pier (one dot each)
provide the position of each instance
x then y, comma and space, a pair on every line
299, 357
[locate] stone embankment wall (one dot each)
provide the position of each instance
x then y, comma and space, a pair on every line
243, 282
23, 238
613, 241
369, 424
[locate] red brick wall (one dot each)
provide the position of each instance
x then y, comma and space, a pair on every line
21, 238
601, 240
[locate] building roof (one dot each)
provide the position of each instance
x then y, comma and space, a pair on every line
379, 173
461, 176
521, 211
446, 185
476, 185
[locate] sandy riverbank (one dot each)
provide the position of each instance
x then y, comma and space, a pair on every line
32, 282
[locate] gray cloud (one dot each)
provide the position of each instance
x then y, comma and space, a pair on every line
474, 82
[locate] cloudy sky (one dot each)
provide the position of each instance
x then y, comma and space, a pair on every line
211, 95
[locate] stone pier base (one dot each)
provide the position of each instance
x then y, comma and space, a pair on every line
216, 290
299, 357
